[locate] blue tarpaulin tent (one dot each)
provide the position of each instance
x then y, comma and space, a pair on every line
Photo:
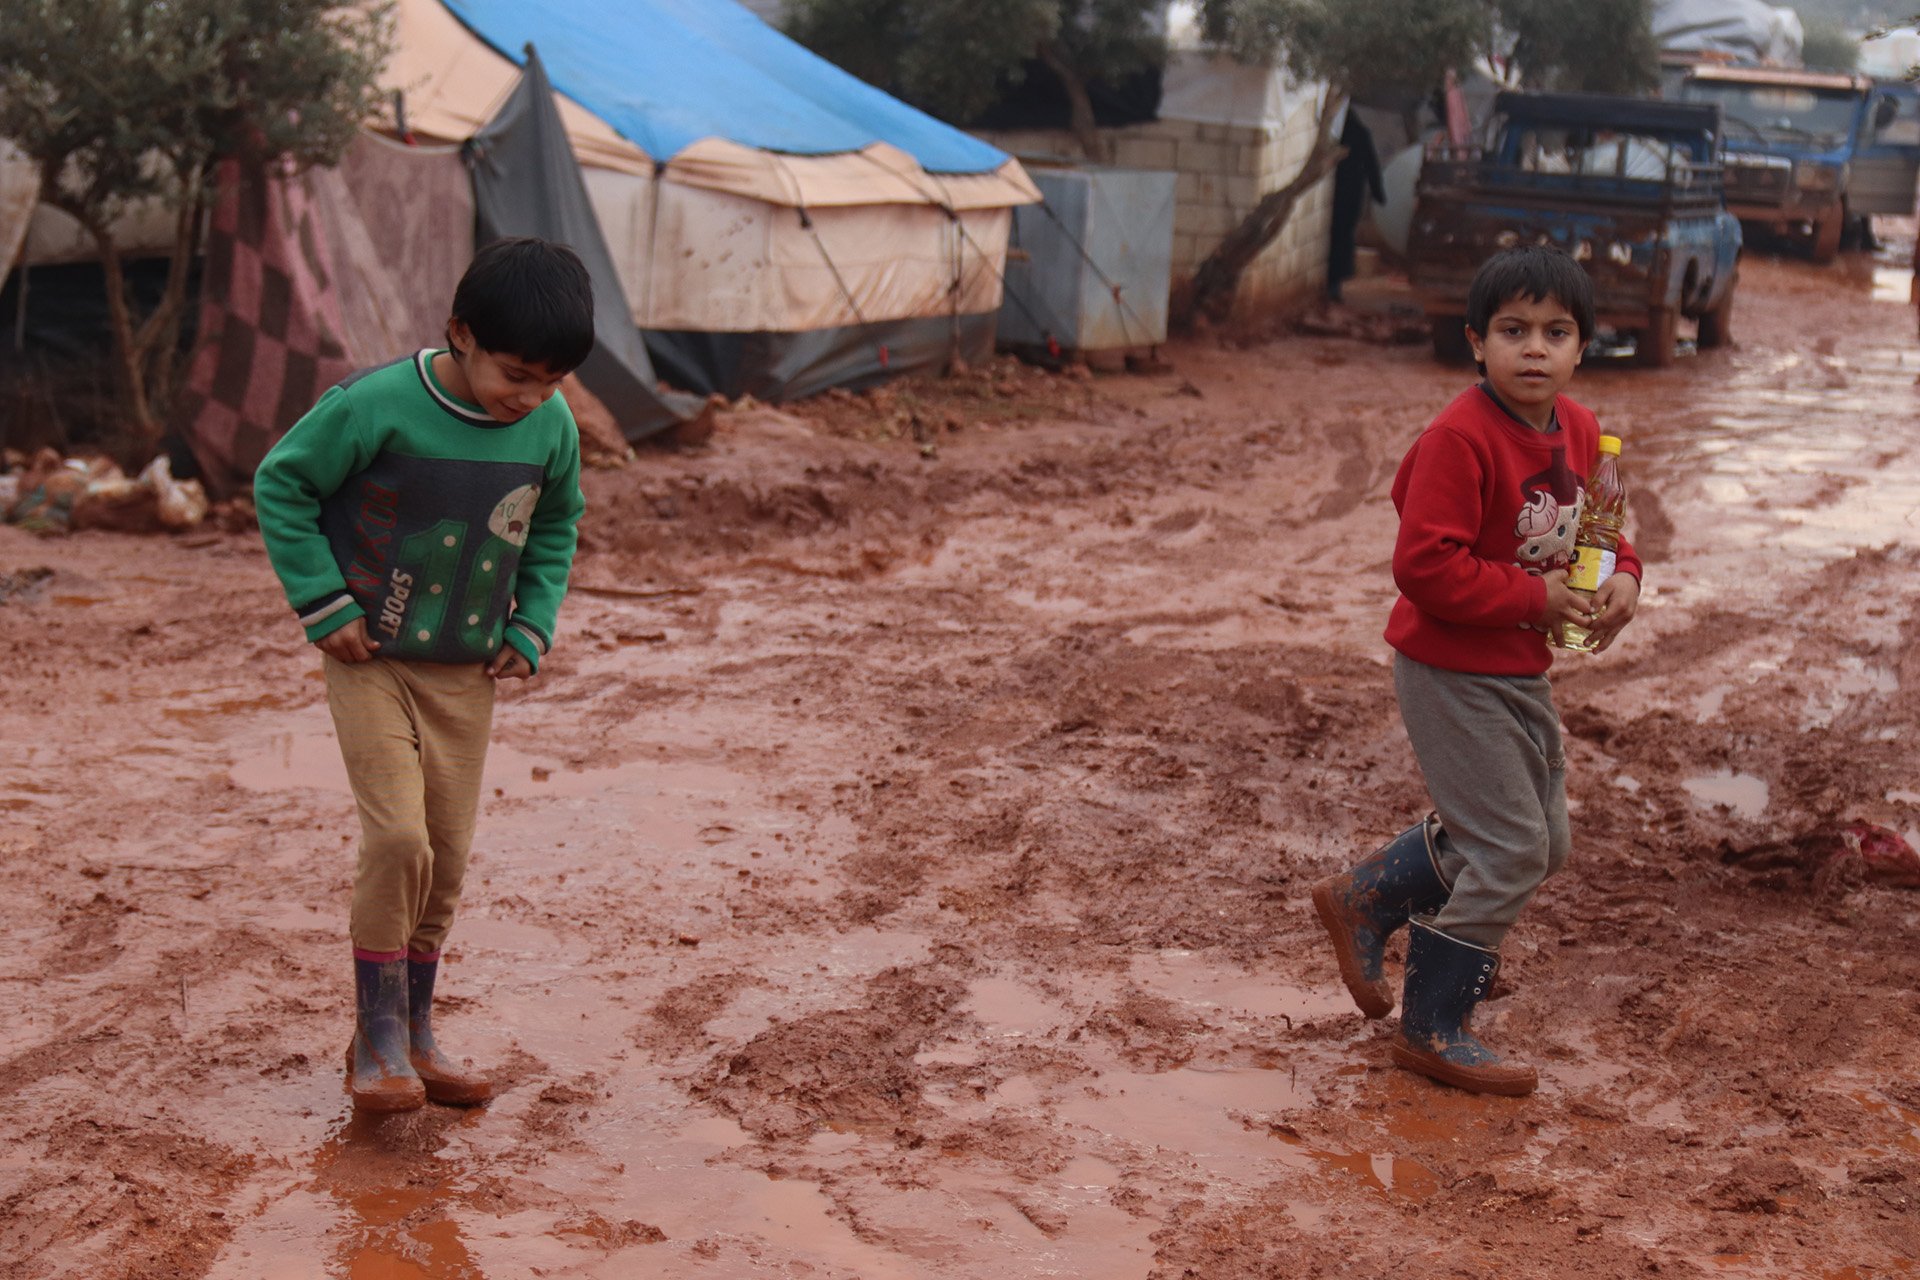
668, 73
778, 226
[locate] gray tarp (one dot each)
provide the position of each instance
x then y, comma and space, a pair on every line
526, 182
778, 367
1747, 29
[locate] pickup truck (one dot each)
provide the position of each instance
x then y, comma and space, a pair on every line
1812, 154
1630, 187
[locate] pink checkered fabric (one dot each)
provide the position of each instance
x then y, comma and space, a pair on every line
271, 334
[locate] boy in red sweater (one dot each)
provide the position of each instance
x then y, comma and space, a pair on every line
1489, 499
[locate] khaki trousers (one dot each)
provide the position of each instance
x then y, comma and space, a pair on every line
414, 737
1489, 747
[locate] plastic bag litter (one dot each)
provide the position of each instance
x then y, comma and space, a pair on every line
1873, 852
53, 495
49, 487
183, 503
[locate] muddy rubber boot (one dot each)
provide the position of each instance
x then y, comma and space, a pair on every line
378, 1073
1446, 978
446, 1080
1362, 907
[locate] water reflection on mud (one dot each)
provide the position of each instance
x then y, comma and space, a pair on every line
396, 1223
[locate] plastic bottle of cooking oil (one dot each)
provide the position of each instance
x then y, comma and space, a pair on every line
1602, 517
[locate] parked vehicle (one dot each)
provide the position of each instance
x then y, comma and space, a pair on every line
1630, 187
1813, 154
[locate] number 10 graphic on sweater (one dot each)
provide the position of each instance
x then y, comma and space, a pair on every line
437, 550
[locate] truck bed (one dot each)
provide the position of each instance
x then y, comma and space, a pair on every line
1614, 227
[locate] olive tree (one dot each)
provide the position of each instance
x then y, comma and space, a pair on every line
120, 101
1359, 47
954, 58
1588, 46
1354, 47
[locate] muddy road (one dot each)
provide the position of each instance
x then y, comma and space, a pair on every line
900, 867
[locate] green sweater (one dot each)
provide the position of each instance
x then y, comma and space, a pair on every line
446, 530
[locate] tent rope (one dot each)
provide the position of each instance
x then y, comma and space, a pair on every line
944, 201
1113, 286
853, 305
1047, 334
806, 224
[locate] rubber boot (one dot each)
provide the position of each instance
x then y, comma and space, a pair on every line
378, 1072
446, 1080
1362, 907
1446, 978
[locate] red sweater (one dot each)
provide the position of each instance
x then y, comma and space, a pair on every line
1487, 504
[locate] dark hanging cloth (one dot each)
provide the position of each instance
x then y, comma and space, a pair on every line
526, 182
1357, 175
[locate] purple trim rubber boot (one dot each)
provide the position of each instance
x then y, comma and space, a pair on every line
1361, 908
447, 1081
1446, 978
378, 1073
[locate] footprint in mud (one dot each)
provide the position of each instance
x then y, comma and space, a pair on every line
385, 1175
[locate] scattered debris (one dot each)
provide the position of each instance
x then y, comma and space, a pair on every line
50, 494
1832, 859
1874, 853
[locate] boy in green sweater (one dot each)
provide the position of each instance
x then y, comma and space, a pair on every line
422, 518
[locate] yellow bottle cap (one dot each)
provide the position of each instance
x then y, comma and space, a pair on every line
1610, 444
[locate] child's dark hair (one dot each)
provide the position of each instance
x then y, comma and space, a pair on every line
530, 299
1533, 272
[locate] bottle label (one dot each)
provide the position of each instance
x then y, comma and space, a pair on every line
1591, 567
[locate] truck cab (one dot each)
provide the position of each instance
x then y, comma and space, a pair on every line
1629, 187
1812, 154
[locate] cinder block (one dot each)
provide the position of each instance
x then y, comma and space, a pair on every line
1205, 157
1198, 188
1145, 153
1207, 221
1186, 251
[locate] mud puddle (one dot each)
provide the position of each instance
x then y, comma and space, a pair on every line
1742, 793
549, 1001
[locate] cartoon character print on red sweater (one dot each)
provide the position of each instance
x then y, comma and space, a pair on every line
1549, 519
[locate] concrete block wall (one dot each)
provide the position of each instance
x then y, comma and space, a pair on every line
1222, 171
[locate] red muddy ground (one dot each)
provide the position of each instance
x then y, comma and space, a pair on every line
900, 869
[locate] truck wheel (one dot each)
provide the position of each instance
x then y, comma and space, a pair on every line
1655, 346
1450, 344
1716, 325
1826, 237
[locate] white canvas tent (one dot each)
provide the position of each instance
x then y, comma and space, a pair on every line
750, 269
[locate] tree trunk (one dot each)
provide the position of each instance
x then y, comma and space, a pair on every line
161, 333
1217, 279
126, 353
1079, 104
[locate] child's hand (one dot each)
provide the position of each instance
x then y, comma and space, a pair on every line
509, 664
349, 643
1614, 605
1564, 604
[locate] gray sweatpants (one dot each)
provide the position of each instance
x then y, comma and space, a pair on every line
1490, 749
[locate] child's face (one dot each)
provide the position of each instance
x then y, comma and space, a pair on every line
1530, 350
507, 387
